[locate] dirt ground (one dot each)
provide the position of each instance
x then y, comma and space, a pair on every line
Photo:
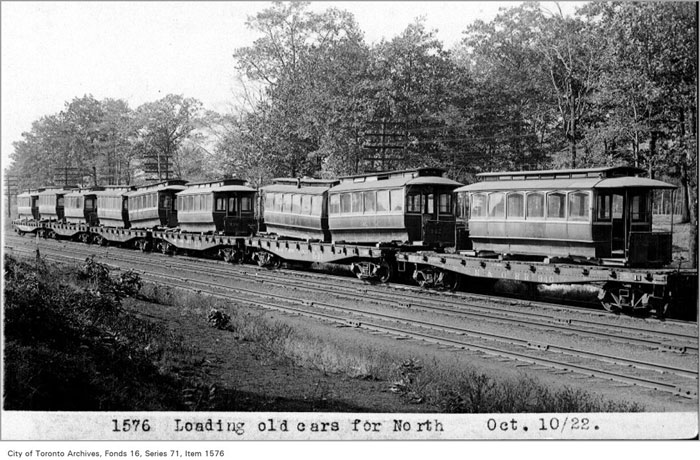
254, 383
249, 382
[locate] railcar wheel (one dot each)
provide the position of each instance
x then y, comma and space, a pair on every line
608, 306
84, 238
618, 297
99, 240
230, 255
265, 259
143, 245
384, 272
53, 235
165, 247
451, 281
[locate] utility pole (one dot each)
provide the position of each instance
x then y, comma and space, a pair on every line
11, 183
388, 141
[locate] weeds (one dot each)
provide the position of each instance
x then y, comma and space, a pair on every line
125, 363
69, 345
436, 385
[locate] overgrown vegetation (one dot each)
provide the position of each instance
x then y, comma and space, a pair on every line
436, 386
70, 345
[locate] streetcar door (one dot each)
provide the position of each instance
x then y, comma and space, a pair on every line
35, 207
619, 224
169, 209
232, 212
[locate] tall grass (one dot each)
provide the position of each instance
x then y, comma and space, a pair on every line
69, 345
439, 386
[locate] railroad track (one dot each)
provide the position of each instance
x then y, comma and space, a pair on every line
446, 304
661, 377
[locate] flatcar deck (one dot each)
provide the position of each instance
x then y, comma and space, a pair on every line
538, 272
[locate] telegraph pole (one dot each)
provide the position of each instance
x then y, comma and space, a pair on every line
11, 183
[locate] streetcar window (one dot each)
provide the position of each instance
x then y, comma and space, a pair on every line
278, 202
414, 202
345, 203
478, 206
396, 199
306, 204
603, 207
246, 204
296, 203
382, 200
220, 204
287, 206
445, 203
556, 206
639, 208
617, 205
89, 204
334, 207
431, 203
356, 202
578, 206
125, 204
535, 205
370, 202
496, 205
515, 204
60, 201
316, 205
232, 205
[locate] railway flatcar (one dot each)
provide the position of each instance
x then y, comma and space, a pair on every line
51, 204
80, 206
596, 214
406, 207
223, 206
298, 208
154, 205
112, 206
28, 204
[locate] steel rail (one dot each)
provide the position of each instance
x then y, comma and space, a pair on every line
491, 350
523, 318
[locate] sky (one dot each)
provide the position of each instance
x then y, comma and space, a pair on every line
53, 52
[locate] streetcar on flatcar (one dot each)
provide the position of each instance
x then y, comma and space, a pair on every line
600, 215
586, 226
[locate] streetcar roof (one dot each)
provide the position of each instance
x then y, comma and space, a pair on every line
566, 184
177, 185
214, 188
397, 182
284, 188
599, 172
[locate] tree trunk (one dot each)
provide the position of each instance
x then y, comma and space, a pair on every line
573, 137
693, 236
685, 187
652, 153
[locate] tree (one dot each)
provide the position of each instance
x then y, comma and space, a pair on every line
309, 66
163, 127
81, 119
510, 111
